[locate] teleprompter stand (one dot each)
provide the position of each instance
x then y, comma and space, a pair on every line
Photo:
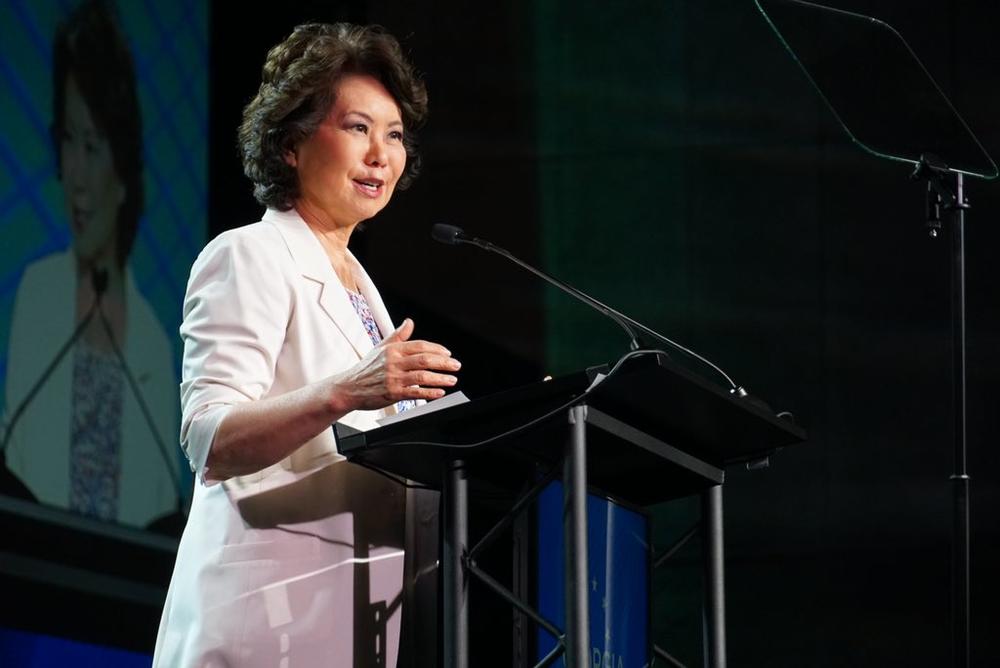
649, 432
891, 107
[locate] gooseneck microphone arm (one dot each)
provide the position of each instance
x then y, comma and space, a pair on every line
449, 234
452, 235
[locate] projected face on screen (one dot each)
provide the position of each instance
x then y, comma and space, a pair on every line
93, 190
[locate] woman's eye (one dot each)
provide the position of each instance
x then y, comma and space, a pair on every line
360, 127
396, 135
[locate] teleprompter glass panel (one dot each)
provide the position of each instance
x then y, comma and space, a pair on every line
876, 86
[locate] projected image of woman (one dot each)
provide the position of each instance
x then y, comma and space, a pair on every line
82, 442
292, 555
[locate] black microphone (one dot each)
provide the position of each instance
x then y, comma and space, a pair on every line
449, 234
452, 235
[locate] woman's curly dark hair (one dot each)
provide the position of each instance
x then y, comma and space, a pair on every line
91, 47
297, 92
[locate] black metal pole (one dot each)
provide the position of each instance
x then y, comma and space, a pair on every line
575, 534
941, 197
715, 588
456, 610
960, 478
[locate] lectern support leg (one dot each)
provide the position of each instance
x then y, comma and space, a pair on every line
456, 603
575, 536
715, 604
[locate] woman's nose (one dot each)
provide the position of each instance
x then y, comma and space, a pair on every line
376, 153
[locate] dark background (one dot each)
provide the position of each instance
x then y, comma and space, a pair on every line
671, 159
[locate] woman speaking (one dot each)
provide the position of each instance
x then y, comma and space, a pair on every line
291, 555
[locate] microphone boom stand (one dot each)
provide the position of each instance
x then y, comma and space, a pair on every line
941, 196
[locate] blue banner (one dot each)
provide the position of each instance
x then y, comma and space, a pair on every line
618, 579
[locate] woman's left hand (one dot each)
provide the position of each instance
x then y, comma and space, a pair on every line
395, 369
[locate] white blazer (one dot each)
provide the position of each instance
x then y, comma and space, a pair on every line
300, 564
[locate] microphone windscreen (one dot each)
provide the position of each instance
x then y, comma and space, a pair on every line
446, 234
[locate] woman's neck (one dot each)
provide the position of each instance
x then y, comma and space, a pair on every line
333, 238
335, 235
101, 274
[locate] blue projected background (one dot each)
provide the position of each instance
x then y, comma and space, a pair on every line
35, 650
169, 41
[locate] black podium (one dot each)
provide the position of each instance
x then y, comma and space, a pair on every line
650, 431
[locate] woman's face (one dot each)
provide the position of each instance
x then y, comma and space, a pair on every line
349, 166
91, 186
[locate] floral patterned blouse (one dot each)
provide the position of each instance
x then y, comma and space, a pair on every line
360, 305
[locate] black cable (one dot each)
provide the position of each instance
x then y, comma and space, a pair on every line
391, 476
545, 416
509, 432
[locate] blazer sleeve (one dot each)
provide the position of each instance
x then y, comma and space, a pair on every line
236, 314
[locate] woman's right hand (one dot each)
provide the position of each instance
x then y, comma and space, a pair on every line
395, 369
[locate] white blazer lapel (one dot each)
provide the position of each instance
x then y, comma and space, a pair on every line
335, 302
315, 266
